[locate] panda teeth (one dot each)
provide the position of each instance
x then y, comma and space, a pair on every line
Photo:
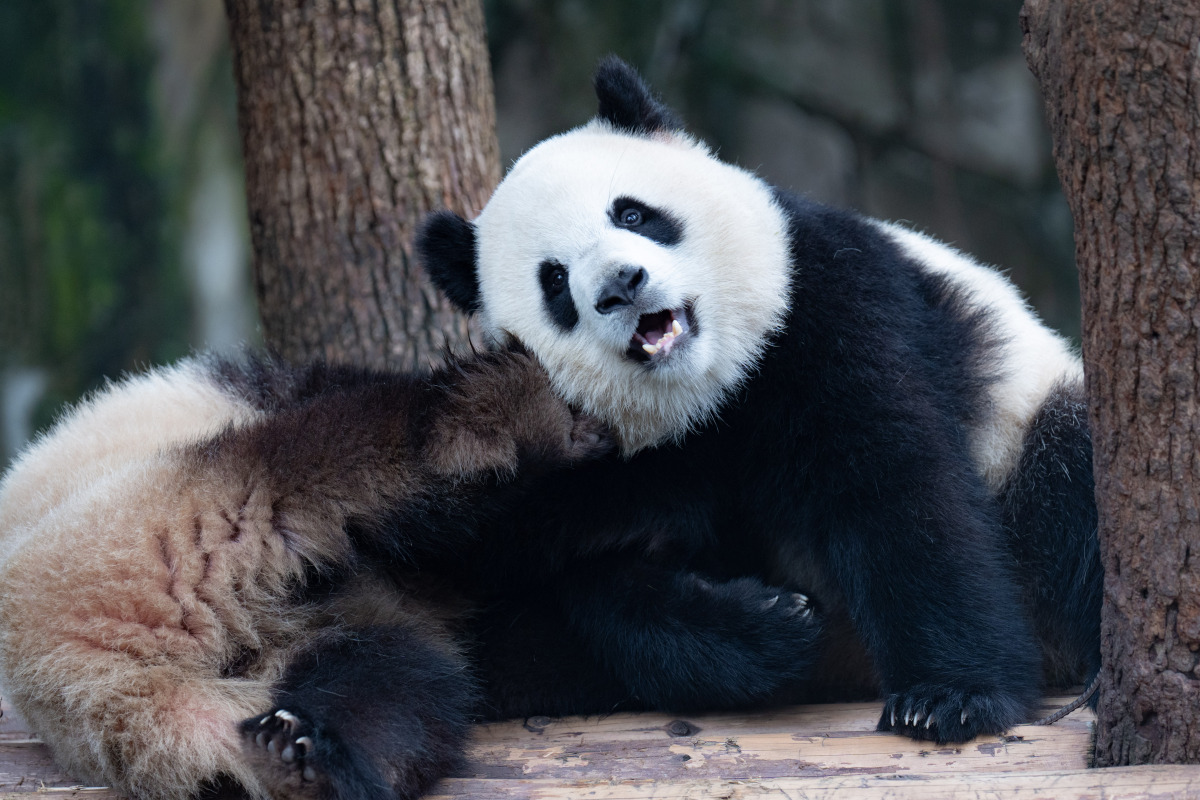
666, 340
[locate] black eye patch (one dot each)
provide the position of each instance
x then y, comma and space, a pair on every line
655, 225
556, 294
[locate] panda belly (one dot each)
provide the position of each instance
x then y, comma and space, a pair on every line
130, 597
147, 563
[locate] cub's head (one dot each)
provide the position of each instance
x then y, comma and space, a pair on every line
646, 275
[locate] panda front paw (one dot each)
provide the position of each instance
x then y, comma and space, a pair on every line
679, 641
788, 605
752, 604
590, 438
283, 748
948, 715
777, 627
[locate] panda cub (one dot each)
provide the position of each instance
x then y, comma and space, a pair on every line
801, 395
207, 573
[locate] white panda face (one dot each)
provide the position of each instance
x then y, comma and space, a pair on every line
644, 273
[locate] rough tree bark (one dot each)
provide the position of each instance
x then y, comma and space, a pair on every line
357, 117
1121, 83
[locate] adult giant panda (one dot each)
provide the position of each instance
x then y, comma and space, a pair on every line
208, 574
800, 394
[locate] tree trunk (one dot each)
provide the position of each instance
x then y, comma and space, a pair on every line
357, 118
1121, 82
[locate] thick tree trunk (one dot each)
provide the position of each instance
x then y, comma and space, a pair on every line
357, 117
1122, 87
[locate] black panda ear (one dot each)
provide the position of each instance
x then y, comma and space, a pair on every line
445, 245
627, 103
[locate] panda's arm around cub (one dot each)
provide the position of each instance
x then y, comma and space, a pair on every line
222, 542
245, 578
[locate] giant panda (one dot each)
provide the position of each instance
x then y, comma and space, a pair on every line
801, 395
210, 576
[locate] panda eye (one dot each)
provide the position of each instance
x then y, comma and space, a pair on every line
657, 225
553, 277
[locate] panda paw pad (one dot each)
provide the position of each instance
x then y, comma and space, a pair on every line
283, 743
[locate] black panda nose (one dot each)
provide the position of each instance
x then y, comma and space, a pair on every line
621, 289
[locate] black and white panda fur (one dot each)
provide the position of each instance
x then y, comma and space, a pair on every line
802, 395
209, 574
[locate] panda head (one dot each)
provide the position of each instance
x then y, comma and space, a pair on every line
645, 274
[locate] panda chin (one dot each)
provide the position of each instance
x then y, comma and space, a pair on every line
661, 333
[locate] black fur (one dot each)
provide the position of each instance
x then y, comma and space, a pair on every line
364, 713
556, 294
626, 103
448, 240
843, 464
653, 223
377, 703
1052, 484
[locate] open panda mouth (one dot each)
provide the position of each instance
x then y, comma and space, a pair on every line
661, 332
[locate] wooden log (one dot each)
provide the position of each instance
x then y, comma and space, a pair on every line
815, 752
1122, 783
804, 741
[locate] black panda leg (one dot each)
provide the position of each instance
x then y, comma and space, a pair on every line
363, 713
1049, 516
940, 613
619, 636
531, 663
678, 641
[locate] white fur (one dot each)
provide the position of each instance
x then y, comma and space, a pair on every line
732, 260
1032, 359
106, 433
92, 650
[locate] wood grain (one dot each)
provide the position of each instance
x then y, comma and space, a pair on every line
820, 751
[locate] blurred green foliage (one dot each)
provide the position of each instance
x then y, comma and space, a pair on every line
90, 283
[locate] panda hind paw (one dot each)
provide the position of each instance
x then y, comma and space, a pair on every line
282, 747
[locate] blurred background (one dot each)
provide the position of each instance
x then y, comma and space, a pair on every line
123, 237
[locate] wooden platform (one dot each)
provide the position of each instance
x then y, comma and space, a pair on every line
803, 752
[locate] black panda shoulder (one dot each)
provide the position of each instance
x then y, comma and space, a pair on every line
859, 297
